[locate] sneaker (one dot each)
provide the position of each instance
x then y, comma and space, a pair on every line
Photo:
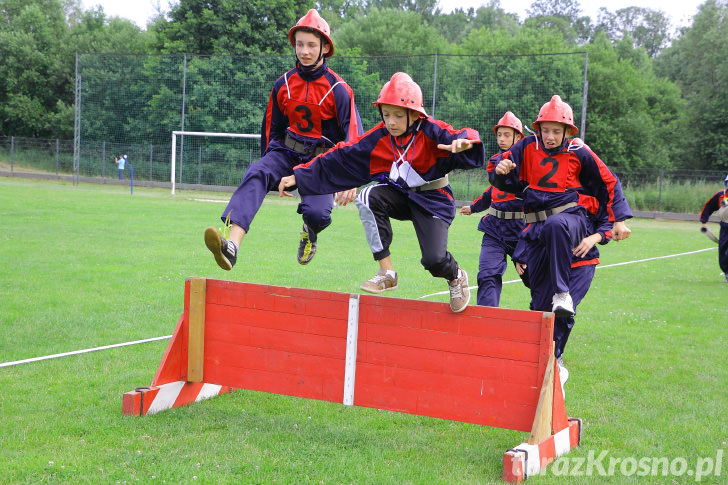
563, 306
225, 252
563, 374
459, 292
379, 283
306, 247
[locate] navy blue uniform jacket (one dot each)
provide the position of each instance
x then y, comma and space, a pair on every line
370, 158
550, 178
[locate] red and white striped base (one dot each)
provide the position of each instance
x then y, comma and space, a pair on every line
151, 400
525, 460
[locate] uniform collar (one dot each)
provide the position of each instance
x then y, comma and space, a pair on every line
312, 75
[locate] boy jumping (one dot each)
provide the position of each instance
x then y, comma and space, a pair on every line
408, 155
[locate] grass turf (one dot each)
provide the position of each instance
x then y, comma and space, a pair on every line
85, 266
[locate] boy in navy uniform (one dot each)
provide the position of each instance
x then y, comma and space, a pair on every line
310, 109
556, 222
503, 223
408, 155
719, 203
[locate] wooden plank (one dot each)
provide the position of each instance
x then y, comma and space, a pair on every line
293, 301
327, 325
173, 366
290, 385
240, 359
476, 411
541, 428
428, 359
196, 335
486, 387
450, 342
290, 341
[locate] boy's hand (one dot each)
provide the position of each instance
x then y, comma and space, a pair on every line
286, 182
458, 145
521, 268
620, 231
465, 210
345, 196
586, 244
504, 166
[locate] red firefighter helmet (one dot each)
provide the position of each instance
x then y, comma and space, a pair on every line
558, 111
509, 120
312, 20
401, 91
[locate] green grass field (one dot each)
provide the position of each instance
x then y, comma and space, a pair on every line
87, 266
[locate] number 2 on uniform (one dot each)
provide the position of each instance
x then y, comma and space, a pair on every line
544, 181
305, 116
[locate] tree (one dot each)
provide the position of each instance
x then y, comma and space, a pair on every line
698, 62
569, 9
229, 27
649, 29
423, 7
386, 32
456, 25
632, 114
34, 80
562, 15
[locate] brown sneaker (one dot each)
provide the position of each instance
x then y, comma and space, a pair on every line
459, 292
379, 283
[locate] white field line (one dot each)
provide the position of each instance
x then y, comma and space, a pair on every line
83, 351
153, 339
598, 267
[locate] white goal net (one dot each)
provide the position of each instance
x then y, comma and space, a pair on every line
205, 159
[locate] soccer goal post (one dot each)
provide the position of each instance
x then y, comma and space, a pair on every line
201, 134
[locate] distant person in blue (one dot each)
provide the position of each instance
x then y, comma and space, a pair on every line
718, 203
121, 162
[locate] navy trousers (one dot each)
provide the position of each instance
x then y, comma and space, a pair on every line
264, 176
548, 253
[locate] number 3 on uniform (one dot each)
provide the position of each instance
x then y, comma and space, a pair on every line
305, 120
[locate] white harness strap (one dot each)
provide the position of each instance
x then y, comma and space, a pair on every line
288, 88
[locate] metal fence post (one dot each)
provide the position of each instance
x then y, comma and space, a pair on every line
12, 153
434, 87
184, 99
470, 198
659, 194
199, 165
585, 94
58, 153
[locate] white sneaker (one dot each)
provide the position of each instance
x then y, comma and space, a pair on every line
459, 292
563, 374
563, 306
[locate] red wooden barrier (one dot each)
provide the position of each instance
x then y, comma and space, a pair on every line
489, 366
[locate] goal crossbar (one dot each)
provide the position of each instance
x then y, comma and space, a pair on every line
200, 133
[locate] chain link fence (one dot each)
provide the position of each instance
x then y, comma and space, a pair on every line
130, 104
661, 191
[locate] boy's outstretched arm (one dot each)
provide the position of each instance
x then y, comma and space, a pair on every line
458, 145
